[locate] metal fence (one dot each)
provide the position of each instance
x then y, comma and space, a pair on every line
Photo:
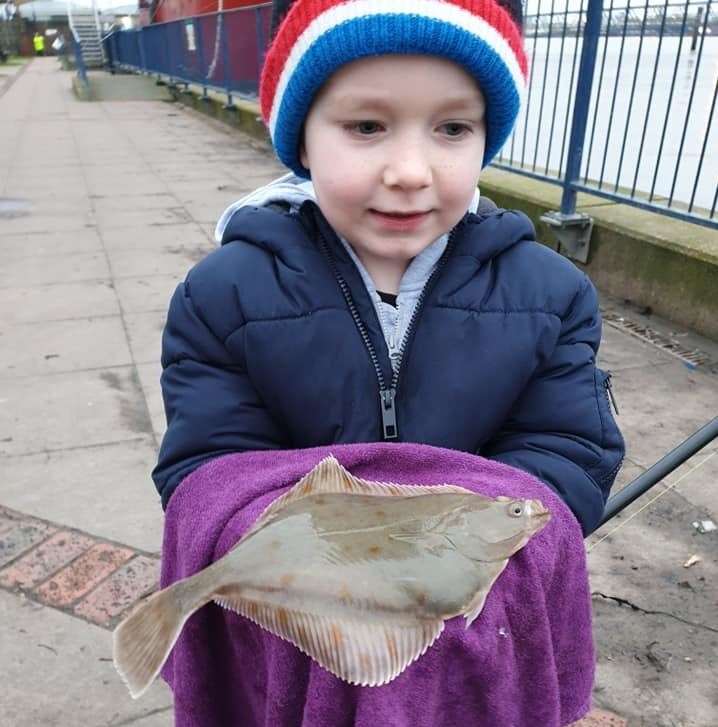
621, 100
79, 58
220, 51
642, 108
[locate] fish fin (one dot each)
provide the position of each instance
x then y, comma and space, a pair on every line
490, 572
434, 543
143, 641
368, 654
330, 476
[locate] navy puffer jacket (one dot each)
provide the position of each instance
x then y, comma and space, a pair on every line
272, 342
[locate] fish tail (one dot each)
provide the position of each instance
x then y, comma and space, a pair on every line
143, 641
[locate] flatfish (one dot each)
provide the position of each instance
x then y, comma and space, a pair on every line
359, 575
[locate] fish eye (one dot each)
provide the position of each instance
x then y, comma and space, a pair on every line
516, 509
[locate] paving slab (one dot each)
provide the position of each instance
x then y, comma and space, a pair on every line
50, 347
72, 660
150, 380
653, 426
173, 259
105, 205
168, 215
40, 270
42, 222
104, 490
150, 236
47, 243
60, 302
145, 334
143, 294
619, 352
77, 409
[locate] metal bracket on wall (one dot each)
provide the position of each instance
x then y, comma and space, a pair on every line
573, 232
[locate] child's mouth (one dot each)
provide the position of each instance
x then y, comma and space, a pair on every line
396, 221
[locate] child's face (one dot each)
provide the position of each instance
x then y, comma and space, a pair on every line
383, 136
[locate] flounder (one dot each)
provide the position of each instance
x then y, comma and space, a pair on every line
359, 575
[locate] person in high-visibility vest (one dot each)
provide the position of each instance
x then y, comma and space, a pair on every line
39, 42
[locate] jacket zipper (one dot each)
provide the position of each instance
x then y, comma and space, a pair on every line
387, 395
609, 391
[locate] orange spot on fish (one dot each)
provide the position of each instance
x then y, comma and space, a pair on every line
282, 617
344, 593
421, 598
374, 550
286, 580
391, 646
336, 635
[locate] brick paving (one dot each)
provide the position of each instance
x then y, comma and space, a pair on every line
601, 718
78, 573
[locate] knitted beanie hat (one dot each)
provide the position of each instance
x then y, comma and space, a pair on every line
313, 38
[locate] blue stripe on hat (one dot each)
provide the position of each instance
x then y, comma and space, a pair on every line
396, 34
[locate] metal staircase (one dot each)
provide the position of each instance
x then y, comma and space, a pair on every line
85, 24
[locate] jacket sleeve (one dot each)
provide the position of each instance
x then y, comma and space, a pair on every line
210, 403
561, 429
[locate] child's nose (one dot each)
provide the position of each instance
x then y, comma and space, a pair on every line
408, 166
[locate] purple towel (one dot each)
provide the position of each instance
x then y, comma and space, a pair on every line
527, 660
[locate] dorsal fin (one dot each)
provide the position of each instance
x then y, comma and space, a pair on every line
330, 476
367, 653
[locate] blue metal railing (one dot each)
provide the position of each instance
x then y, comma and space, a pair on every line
634, 137
79, 59
642, 104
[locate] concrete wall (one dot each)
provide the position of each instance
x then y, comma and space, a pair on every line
648, 258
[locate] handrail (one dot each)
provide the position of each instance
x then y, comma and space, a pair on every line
654, 474
77, 45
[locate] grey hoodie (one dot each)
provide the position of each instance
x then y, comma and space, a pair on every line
394, 321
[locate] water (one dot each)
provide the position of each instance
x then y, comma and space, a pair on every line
624, 144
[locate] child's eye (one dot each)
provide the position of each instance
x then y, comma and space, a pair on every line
361, 127
455, 126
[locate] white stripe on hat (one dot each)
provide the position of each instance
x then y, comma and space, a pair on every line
432, 9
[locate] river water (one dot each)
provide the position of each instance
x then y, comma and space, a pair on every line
615, 138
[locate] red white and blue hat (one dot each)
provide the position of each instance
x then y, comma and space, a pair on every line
316, 37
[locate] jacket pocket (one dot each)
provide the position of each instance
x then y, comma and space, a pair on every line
612, 442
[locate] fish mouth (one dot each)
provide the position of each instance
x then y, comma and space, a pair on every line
539, 512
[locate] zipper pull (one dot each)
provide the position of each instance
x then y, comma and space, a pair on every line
388, 413
607, 384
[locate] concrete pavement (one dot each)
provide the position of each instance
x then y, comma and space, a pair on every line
103, 208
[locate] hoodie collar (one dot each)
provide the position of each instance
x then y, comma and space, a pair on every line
295, 190
287, 188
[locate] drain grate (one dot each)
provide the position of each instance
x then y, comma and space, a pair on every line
691, 357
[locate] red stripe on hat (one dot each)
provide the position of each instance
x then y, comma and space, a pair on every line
303, 12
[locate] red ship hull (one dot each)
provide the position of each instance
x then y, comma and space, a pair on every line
166, 10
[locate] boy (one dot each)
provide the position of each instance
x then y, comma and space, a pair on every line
378, 301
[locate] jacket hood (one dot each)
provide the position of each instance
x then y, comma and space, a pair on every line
288, 188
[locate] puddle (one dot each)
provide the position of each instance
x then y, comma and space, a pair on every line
10, 207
